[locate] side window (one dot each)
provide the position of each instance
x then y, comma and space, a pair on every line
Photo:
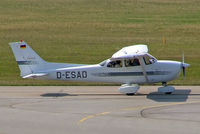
115, 64
132, 62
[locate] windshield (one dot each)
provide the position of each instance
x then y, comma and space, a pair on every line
148, 59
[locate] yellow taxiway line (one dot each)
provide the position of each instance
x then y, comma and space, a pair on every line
133, 109
92, 116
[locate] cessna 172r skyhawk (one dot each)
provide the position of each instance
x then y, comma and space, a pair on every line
130, 66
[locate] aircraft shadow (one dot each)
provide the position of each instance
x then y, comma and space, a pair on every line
56, 95
180, 95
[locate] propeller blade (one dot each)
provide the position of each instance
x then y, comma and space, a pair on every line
183, 71
184, 65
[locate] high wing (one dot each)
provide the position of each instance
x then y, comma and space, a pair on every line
130, 52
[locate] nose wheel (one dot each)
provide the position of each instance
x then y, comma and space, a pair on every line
166, 89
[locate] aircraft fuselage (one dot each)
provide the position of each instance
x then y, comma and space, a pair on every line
160, 71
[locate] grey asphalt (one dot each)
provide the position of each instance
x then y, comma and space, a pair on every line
98, 110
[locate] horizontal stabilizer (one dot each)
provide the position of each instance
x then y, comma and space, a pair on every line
35, 75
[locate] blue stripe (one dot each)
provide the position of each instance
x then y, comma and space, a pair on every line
131, 73
26, 62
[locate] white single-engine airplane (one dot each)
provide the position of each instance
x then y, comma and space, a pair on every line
130, 66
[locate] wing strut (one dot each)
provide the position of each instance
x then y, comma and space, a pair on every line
143, 68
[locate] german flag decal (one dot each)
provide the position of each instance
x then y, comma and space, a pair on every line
22, 46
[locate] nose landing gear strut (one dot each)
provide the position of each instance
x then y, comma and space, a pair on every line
166, 89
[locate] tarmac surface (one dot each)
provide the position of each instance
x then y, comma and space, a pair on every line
98, 110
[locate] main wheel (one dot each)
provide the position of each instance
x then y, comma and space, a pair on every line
168, 93
130, 94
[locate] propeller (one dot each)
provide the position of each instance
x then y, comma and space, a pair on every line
184, 65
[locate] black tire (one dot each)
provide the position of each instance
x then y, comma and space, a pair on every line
168, 93
130, 94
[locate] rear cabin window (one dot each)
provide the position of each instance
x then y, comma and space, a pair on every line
132, 62
115, 64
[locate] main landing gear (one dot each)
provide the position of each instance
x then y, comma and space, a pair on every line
129, 89
166, 89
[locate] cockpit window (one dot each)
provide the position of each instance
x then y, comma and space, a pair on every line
115, 64
149, 60
132, 62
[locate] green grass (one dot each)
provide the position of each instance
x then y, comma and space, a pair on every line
89, 31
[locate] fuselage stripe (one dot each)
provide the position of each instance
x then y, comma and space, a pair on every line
26, 62
131, 73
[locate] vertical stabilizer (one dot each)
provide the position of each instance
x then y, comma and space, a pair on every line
27, 59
